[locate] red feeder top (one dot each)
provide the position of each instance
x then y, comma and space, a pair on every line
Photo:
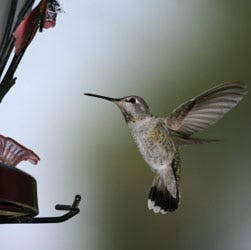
11, 152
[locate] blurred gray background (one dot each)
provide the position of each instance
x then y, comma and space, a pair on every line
167, 52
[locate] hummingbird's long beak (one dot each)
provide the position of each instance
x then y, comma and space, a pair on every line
104, 97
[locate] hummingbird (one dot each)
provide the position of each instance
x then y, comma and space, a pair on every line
159, 138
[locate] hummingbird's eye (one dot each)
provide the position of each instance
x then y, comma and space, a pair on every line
132, 100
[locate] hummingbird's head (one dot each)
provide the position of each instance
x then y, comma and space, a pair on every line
134, 108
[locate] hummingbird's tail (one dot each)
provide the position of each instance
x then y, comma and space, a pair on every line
164, 193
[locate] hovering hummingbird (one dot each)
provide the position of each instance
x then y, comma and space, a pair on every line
159, 138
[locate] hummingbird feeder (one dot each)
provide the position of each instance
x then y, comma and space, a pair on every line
18, 190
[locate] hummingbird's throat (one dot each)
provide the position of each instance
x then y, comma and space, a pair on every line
128, 117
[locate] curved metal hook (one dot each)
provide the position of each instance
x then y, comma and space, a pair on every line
72, 211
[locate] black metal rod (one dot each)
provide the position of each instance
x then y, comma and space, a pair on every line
6, 37
73, 210
26, 7
7, 82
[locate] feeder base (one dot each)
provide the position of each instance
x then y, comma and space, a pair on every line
18, 193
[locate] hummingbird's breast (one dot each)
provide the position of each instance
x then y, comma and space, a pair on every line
154, 142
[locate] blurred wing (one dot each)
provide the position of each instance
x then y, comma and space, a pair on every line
205, 109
